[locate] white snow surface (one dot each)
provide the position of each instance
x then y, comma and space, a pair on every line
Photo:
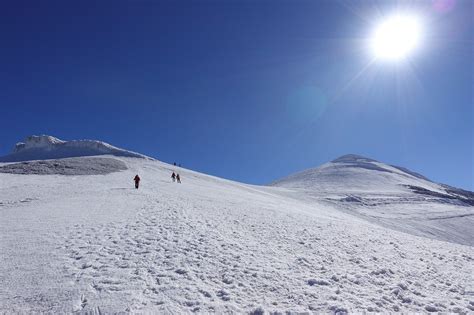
94, 244
49, 147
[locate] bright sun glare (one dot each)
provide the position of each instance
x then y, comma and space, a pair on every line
396, 37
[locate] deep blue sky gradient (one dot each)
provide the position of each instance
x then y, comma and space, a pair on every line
246, 90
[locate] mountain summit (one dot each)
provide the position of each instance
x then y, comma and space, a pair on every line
355, 173
48, 147
359, 175
389, 195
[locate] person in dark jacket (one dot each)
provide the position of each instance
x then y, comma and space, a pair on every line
137, 181
173, 176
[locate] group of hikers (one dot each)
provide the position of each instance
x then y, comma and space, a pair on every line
175, 177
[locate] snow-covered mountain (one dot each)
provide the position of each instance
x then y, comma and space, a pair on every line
48, 147
357, 175
389, 195
82, 239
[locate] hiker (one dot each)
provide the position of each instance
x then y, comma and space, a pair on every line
173, 176
178, 178
137, 181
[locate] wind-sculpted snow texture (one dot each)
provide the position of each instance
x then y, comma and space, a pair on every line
68, 166
94, 244
390, 196
48, 147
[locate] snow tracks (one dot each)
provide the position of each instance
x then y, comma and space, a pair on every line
189, 253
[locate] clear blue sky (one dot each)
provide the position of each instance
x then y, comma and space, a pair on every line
246, 90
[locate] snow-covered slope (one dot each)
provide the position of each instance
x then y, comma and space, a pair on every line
356, 174
94, 244
48, 147
389, 195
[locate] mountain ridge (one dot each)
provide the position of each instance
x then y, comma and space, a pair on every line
392, 196
349, 166
352, 161
45, 147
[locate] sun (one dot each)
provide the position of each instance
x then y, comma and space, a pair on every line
396, 37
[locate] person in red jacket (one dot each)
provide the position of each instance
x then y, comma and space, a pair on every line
137, 181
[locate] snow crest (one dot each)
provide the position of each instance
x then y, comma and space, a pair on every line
48, 147
34, 142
